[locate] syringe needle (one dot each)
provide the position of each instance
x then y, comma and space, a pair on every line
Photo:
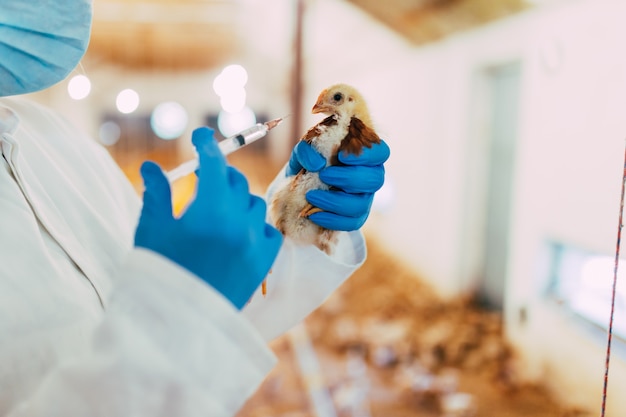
273, 123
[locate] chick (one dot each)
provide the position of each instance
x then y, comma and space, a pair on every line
348, 128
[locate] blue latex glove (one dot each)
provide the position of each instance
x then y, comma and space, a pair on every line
222, 236
347, 205
304, 156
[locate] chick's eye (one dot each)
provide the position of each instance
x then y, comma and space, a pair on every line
337, 97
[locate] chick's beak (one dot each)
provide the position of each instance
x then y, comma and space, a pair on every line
319, 107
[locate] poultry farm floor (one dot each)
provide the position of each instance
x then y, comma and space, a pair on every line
387, 346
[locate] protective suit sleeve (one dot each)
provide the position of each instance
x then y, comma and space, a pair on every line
301, 279
167, 346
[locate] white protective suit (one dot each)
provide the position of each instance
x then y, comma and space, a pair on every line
89, 325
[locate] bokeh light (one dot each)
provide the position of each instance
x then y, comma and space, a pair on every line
169, 120
109, 133
232, 77
234, 101
127, 101
79, 87
229, 86
385, 197
230, 124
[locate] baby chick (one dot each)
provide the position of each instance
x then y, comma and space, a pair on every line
348, 128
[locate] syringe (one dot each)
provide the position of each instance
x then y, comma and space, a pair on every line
227, 146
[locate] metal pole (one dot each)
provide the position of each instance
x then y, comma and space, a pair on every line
297, 78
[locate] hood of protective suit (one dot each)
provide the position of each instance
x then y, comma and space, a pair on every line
41, 42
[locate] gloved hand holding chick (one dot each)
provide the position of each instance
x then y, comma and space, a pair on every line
334, 172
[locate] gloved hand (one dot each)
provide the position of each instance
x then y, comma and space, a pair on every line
347, 205
222, 236
304, 156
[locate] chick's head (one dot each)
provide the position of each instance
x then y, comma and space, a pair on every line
342, 100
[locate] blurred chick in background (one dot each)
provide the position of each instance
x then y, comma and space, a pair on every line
341, 136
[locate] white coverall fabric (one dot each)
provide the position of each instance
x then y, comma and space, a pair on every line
90, 325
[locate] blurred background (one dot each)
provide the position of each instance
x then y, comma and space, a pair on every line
488, 284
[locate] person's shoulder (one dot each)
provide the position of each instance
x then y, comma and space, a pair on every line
28, 110
23, 103
39, 118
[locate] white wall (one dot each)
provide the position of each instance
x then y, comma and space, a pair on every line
568, 168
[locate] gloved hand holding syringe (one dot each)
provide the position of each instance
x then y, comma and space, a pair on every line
227, 146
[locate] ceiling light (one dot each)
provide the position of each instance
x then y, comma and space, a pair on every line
127, 101
79, 87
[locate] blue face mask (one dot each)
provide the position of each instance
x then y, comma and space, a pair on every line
41, 42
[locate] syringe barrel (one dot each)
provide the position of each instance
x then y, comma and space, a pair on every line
227, 146
243, 138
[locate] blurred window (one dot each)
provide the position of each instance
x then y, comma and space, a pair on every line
582, 282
